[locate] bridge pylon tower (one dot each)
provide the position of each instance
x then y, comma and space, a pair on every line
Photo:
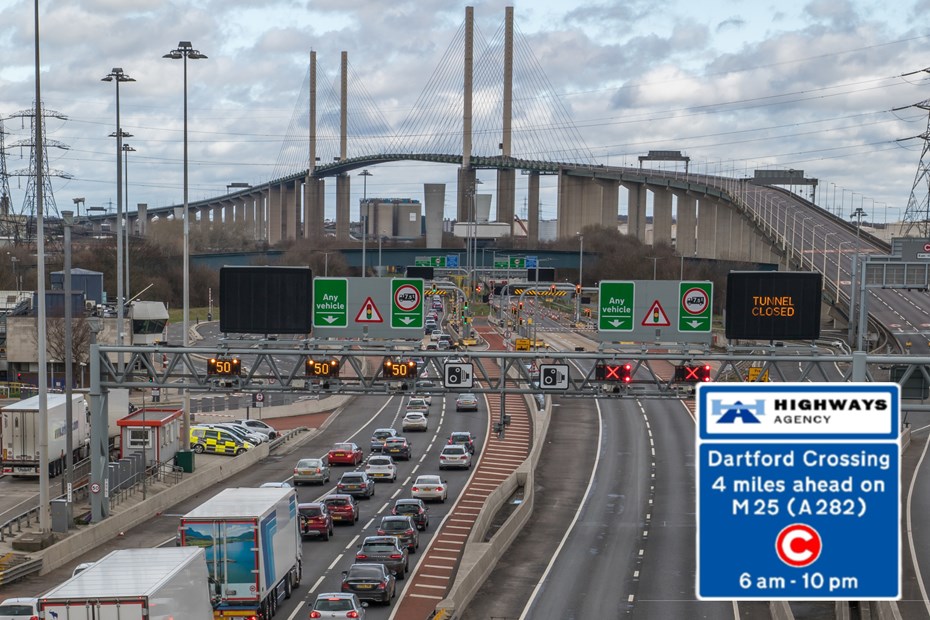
8, 223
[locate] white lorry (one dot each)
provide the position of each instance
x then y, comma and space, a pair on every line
253, 546
135, 584
20, 441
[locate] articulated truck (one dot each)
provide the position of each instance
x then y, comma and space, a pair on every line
135, 584
20, 436
253, 548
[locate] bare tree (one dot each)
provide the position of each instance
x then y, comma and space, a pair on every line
80, 340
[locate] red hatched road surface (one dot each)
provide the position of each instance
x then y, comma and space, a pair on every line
435, 571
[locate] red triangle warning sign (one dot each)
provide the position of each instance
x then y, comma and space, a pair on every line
369, 313
656, 316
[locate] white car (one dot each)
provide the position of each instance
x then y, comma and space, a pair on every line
259, 427
454, 455
275, 485
20, 608
430, 487
435, 334
380, 467
415, 421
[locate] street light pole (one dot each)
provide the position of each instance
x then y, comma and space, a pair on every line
67, 218
117, 75
364, 174
126, 150
184, 51
580, 279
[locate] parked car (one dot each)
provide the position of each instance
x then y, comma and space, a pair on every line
415, 421
413, 508
397, 448
357, 484
466, 402
337, 605
462, 438
454, 456
430, 487
403, 529
384, 550
379, 436
243, 432
217, 441
381, 467
346, 453
315, 520
19, 608
311, 470
369, 582
260, 427
342, 508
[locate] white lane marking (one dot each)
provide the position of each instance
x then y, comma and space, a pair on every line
571, 526
910, 528
336, 561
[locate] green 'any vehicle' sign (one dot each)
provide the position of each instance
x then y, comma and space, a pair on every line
330, 302
615, 312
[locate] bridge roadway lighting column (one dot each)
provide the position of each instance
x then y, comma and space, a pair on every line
117, 75
839, 256
825, 237
184, 51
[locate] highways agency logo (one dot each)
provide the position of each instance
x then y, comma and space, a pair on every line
798, 409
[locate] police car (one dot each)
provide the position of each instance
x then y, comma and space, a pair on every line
217, 441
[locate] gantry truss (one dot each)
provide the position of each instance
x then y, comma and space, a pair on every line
277, 367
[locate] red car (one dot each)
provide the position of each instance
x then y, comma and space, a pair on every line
342, 507
345, 453
315, 520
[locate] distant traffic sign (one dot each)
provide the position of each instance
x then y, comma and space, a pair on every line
798, 491
330, 302
616, 306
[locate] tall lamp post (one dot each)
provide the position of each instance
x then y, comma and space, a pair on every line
184, 51
117, 75
580, 280
364, 174
126, 151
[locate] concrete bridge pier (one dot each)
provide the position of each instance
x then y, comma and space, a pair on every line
343, 212
610, 200
464, 196
275, 218
706, 228
685, 230
239, 210
313, 208
289, 203
434, 196
261, 214
636, 210
584, 201
571, 204
204, 221
217, 220
532, 212
506, 195
661, 216
229, 211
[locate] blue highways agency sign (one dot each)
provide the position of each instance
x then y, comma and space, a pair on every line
798, 491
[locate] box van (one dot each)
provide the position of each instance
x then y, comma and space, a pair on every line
217, 441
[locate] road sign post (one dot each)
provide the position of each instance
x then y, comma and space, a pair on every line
798, 491
616, 306
407, 303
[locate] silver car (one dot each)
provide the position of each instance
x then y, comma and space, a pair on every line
337, 605
415, 421
454, 455
311, 470
259, 427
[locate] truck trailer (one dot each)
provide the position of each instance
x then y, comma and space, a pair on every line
20, 438
135, 584
253, 548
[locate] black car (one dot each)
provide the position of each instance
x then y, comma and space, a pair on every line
385, 550
356, 484
462, 438
413, 508
403, 529
378, 437
369, 582
397, 447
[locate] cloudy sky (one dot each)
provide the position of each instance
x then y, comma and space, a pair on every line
734, 84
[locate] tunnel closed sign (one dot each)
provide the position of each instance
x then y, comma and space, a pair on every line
772, 305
